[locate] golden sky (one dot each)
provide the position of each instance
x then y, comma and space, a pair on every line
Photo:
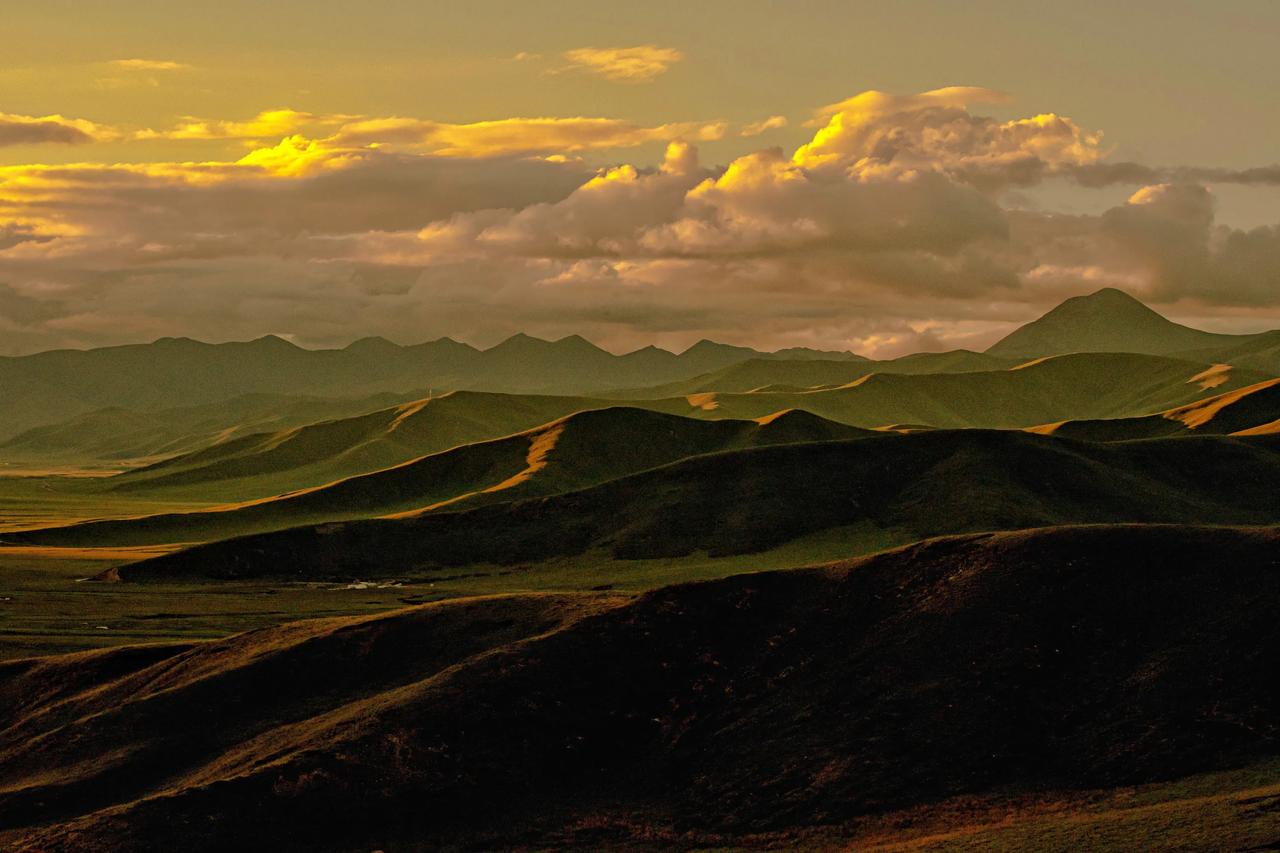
880, 177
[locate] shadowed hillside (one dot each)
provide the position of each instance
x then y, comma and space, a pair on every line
748, 501
751, 710
575, 452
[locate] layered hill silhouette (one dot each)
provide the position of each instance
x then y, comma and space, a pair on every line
50, 387
749, 501
571, 453
1083, 386
759, 709
53, 387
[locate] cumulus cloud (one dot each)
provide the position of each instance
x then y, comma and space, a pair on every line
640, 64
1169, 232
877, 134
882, 233
33, 130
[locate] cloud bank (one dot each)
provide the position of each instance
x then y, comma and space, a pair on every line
888, 230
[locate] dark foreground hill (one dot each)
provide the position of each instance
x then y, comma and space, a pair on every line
748, 501
741, 712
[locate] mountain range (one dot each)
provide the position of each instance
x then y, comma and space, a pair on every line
133, 381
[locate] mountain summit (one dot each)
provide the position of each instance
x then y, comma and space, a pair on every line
1109, 320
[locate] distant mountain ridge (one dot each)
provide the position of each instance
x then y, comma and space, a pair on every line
54, 386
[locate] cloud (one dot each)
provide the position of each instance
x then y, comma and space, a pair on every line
884, 232
518, 135
877, 134
640, 64
266, 124
1169, 234
33, 130
756, 128
148, 65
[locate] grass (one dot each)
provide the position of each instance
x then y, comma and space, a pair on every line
47, 606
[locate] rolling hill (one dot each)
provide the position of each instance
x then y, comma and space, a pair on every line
889, 700
1084, 386
117, 436
1252, 410
1109, 320
798, 375
749, 501
574, 452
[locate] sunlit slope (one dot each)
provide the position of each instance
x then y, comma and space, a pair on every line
119, 435
575, 452
748, 501
1252, 410
1109, 320
756, 708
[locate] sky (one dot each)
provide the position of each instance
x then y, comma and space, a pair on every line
880, 177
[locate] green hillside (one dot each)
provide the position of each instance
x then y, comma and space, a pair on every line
118, 436
575, 452
748, 501
1095, 385
1252, 410
1109, 320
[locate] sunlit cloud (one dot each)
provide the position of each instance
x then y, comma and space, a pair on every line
148, 65
265, 125
518, 135
756, 128
640, 64
888, 230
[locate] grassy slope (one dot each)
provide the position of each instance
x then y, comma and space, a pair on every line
1109, 320
746, 501
1079, 386
575, 452
118, 436
1016, 667
757, 374
1254, 409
